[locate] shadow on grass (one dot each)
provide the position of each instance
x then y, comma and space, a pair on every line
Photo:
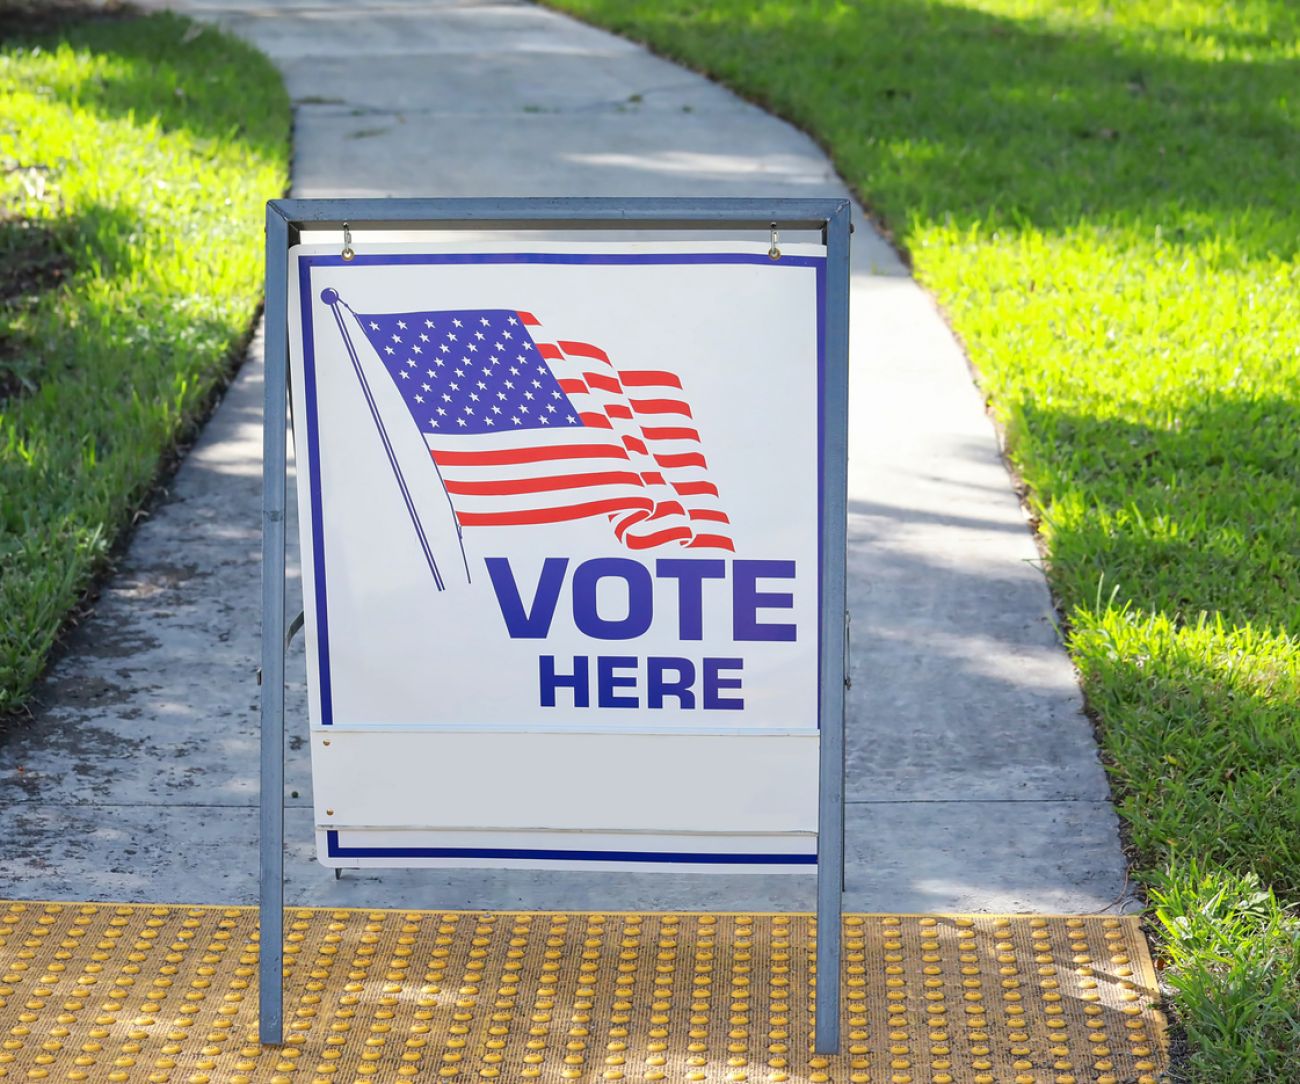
944, 112
39, 257
165, 69
32, 262
1175, 555
1204, 517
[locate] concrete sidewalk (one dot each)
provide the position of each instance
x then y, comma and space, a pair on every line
973, 777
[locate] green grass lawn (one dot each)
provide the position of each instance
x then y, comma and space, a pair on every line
135, 159
1104, 195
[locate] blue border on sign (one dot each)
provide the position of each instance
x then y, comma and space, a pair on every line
820, 273
305, 266
336, 850
317, 516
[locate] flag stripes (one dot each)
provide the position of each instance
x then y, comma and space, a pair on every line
528, 432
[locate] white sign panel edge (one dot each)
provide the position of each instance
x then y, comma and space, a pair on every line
446, 751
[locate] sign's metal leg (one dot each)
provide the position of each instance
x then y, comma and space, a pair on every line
271, 797
830, 828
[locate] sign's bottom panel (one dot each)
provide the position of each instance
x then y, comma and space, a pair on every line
134, 994
593, 851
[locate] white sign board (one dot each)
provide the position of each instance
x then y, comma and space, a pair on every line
559, 509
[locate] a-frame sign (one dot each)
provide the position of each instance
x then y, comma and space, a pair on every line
569, 510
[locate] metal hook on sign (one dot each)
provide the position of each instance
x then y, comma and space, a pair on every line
774, 252
347, 253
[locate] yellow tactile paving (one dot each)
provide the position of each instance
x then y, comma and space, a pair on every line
102, 992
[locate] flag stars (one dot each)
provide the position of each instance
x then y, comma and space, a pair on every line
478, 394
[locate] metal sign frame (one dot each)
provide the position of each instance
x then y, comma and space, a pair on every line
286, 220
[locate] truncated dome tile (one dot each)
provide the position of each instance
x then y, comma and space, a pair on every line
105, 992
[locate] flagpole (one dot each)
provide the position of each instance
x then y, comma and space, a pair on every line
332, 299
460, 534
451, 507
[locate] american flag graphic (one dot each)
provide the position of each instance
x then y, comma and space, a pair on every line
531, 432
